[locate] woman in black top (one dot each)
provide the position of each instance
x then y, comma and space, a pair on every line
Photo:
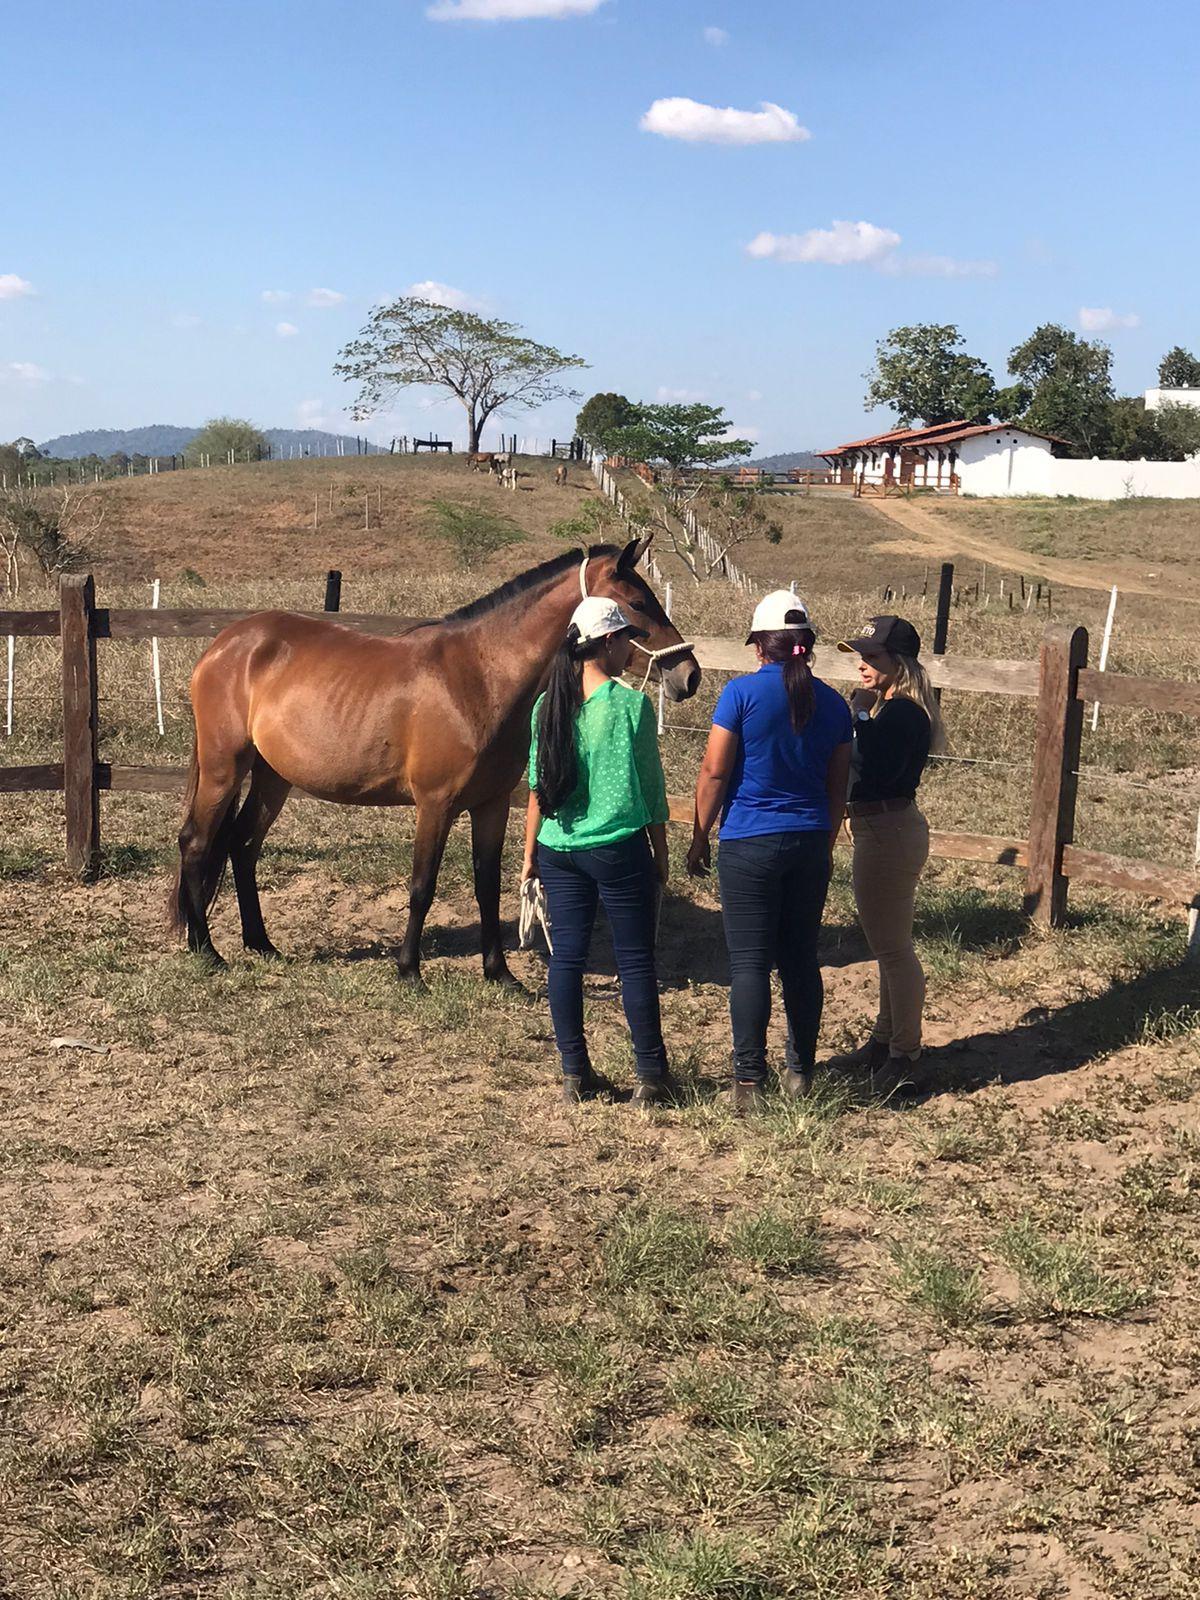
896, 725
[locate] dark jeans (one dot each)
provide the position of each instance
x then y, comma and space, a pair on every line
773, 892
622, 877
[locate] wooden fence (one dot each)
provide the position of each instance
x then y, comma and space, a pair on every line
1059, 680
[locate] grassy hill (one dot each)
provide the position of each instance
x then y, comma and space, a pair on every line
291, 519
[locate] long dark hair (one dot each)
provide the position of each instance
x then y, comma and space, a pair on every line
791, 648
557, 763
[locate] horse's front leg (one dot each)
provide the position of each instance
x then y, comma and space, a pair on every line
433, 827
488, 825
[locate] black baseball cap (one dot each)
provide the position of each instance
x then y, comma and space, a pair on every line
892, 634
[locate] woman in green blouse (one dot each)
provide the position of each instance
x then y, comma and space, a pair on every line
596, 831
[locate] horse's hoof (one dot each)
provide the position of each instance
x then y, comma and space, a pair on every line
266, 951
505, 980
209, 961
410, 977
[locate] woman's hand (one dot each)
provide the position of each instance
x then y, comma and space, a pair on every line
699, 857
863, 699
662, 868
529, 869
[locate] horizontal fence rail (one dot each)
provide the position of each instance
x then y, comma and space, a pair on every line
1059, 681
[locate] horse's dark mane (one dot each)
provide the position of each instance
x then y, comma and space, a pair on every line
525, 581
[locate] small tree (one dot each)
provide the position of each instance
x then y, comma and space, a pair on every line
1179, 369
473, 532
923, 372
51, 526
679, 435
489, 366
602, 416
1178, 429
732, 516
220, 435
1071, 383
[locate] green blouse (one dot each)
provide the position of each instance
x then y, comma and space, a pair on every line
621, 788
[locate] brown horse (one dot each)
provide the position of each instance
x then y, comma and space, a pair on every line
438, 717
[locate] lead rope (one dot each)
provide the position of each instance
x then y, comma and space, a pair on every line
534, 913
652, 656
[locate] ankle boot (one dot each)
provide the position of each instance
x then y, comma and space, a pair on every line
748, 1098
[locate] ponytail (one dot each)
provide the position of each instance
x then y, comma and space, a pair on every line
912, 683
557, 762
791, 648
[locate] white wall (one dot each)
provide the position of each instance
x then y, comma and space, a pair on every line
995, 463
1038, 473
1171, 397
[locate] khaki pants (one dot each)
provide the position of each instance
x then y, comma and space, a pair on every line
890, 849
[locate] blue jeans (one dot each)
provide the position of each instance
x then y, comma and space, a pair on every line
773, 890
622, 877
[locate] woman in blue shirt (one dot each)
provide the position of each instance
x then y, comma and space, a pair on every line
776, 770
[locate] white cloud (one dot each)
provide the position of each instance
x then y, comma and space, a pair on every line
12, 287
677, 397
442, 294
938, 267
325, 297
862, 244
754, 395
286, 330
185, 319
275, 297
508, 10
716, 36
843, 244
1103, 319
696, 123
26, 371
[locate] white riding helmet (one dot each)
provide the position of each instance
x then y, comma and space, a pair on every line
597, 617
779, 609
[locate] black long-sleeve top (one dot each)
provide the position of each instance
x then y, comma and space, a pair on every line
890, 751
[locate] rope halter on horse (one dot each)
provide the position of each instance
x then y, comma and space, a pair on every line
653, 657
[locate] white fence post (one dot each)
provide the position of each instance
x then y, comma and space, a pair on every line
1108, 627
9, 697
155, 664
667, 609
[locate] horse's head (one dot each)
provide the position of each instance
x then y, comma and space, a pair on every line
617, 576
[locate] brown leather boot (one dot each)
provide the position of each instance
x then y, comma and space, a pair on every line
795, 1083
581, 1086
868, 1058
748, 1098
655, 1092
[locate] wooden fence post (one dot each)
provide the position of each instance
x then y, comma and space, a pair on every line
77, 602
1055, 765
941, 621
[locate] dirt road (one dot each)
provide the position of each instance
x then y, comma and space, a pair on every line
948, 536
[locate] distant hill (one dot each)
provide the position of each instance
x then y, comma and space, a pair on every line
161, 439
804, 459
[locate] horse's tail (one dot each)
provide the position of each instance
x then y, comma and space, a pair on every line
215, 861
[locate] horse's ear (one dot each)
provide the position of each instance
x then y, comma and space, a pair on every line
633, 553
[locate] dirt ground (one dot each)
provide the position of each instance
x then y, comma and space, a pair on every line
313, 1288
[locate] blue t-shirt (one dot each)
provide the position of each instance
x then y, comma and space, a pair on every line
778, 779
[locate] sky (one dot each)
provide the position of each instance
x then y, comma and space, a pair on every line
705, 199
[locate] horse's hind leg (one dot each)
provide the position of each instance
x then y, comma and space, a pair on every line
488, 825
262, 805
204, 842
433, 827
